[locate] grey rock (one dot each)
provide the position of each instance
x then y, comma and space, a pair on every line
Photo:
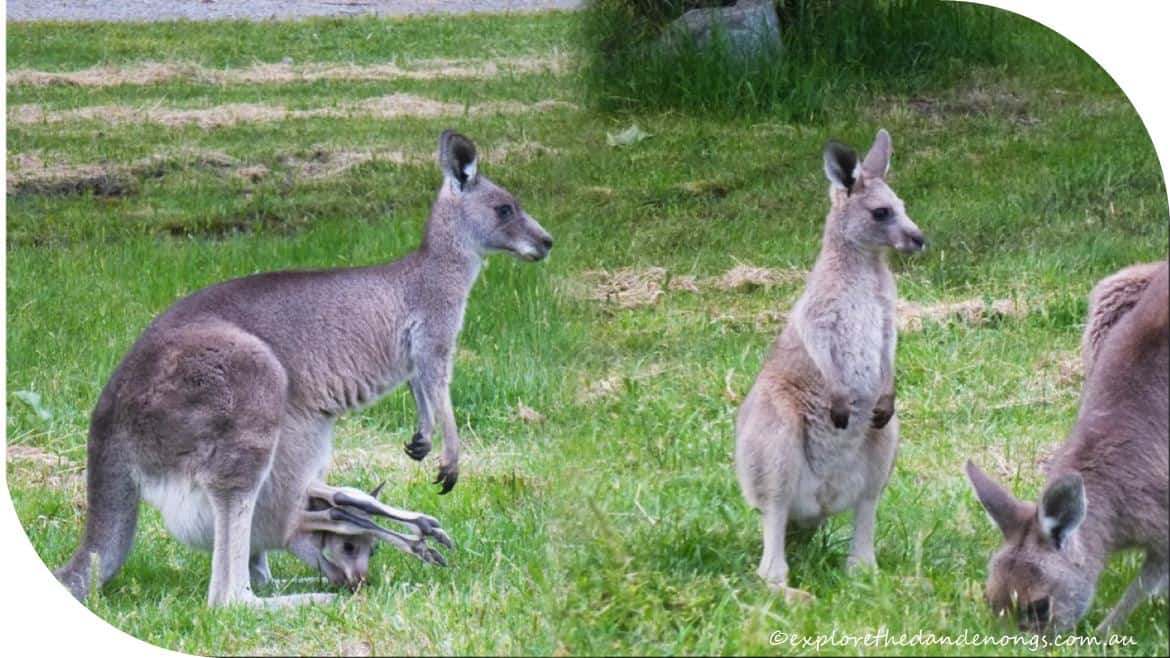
750, 27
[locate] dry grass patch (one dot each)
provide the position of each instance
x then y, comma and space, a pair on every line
631, 287
913, 317
749, 277
611, 385
625, 288
391, 106
35, 467
150, 73
29, 174
527, 414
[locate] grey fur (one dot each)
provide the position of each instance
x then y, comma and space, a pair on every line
1108, 486
817, 433
222, 412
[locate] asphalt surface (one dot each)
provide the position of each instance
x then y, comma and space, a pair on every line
165, 10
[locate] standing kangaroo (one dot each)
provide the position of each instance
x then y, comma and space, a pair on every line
817, 433
231, 394
1108, 486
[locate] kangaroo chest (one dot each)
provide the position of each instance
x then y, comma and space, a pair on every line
859, 343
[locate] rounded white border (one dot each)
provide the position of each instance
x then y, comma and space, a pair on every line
1126, 37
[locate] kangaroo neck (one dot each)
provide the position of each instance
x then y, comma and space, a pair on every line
444, 251
845, 261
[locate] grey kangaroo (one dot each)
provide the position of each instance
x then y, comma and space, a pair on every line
1108, 486
817, 433
230, 395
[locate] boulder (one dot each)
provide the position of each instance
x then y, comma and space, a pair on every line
749, 28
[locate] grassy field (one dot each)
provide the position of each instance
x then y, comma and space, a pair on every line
610, 522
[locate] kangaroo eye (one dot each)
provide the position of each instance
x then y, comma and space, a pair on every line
348, 548
881, 214
504, 213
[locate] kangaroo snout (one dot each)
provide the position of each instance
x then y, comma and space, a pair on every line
911, 241
542, 242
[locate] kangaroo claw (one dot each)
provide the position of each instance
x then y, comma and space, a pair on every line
418, 447
448, 474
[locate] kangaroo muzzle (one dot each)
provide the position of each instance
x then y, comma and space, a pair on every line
910, 240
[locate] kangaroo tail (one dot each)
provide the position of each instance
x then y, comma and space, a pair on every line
1111, 299
112, 517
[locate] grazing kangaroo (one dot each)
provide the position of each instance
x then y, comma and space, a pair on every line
817, 433
1108, 486
231, 394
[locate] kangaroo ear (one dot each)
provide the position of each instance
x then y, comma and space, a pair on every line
1062, 507
457, 159
841, 165
877, 160
1008, 513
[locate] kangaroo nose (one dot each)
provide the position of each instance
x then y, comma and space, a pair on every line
547, 241
919, 241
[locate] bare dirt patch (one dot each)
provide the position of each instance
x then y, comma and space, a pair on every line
150, 73
391, 106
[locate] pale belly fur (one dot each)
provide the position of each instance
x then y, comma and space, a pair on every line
839, 477
188, 515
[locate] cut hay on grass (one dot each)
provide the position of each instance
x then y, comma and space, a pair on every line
28, 173
629, 288
151, 73
611, 385
391, 106
746, 277
913, 317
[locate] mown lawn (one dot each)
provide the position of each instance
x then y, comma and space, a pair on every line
614, 524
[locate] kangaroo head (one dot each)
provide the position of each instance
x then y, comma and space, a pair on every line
488, 218
1039, 576
340, 549
865, 211
345, 559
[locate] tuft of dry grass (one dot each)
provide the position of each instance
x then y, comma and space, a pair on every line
390, 106
913, 316
527, 414
151, 73
745, 276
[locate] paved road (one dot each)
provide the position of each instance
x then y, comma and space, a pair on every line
162, 10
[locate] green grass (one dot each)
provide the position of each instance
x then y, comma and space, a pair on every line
615, 525
826, 50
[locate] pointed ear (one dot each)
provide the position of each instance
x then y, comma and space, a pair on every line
377, 491
1008, 513
1062, 507
877, 160
841, 165
457, 159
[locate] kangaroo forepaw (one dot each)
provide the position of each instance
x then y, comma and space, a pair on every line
448, 474
839, 408
429, 527
428, 554
419, 447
